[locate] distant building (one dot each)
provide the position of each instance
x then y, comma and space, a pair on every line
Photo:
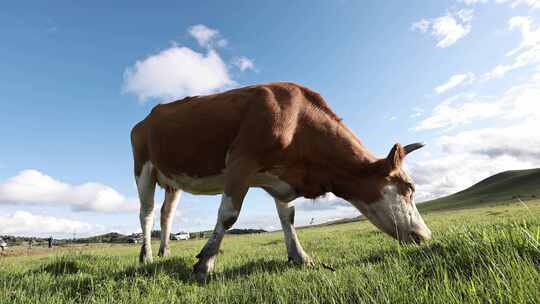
180, 236
132, 240
135, 238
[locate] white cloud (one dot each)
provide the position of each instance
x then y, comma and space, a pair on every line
22, 223
508, 141
31, 187
515, 141
518, 103
329, 201
243, 63
470, 156
533, 4
454, 172
526, 54
455, 81
421, 25
530, 37
447, 29
206, 37
417, 112
323, 209
177, 72
471, 2
498, 71
457, 110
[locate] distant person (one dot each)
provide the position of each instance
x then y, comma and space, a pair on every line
3, 244
50, 241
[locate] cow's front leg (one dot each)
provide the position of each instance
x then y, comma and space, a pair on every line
227, 216
236, 187
295, 251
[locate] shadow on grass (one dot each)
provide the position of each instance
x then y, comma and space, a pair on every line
175, 267
257, 266
274, 242
57, 268
179, 269
64, 265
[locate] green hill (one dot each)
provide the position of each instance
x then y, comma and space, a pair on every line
111, 237
503, 187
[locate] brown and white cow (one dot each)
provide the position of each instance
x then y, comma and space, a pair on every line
281, 137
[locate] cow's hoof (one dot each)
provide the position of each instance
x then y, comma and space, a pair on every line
201, 277
164, 252
202, 269
145, 256
302, 259
145, 259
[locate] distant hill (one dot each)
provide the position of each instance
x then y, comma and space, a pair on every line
502, 187
111, 237
245, 231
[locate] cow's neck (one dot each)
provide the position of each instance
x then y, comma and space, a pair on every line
336, 162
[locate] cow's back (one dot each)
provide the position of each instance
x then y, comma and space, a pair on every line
192, 136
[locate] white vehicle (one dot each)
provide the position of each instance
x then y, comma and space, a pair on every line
180, 236
3, 244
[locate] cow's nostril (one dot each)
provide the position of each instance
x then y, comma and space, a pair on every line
415, 237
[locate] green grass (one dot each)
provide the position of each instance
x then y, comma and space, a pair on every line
488, 254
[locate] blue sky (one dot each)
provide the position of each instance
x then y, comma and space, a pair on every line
462, 76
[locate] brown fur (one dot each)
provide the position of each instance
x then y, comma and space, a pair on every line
282, 128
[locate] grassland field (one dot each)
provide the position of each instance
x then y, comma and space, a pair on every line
484, 254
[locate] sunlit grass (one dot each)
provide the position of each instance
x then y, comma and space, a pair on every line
482, 255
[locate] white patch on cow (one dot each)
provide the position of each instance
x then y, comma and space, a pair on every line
395, 216
284, 213
282, 204
146, 187
281, 189
167, 213
295, 251
209, 185
215, 184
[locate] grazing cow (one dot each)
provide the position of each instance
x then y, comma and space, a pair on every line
281, 137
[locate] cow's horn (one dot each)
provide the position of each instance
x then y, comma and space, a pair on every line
409, 148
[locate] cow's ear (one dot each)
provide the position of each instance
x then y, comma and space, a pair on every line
395, 158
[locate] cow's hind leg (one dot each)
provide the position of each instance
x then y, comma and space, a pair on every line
236, 187
146, 185
295, 251
172, 196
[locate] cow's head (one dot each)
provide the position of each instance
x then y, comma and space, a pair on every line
391, 207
